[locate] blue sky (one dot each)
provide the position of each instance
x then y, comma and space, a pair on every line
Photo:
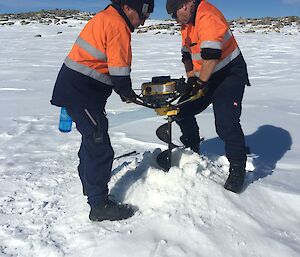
231, 8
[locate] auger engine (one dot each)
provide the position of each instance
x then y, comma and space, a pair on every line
163, 94
161, 90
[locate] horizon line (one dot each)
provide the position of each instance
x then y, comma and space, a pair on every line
165, 18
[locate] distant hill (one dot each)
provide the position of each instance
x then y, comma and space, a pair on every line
245, 25
45, 16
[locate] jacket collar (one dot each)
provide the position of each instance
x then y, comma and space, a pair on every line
121, 12
193, 18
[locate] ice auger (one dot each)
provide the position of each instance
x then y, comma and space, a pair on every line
164, 95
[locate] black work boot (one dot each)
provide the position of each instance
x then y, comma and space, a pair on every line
235, 180
111, 210
193, 144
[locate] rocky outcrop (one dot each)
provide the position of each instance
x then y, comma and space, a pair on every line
46, 17
169, 27
243, 25
266, 25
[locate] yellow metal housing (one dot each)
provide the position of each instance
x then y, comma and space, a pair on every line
158, 89
168, 111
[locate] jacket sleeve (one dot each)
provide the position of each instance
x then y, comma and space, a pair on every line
212, 31
119, 57
185, 42
122, 85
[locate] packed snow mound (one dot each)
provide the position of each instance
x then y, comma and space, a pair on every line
191, 177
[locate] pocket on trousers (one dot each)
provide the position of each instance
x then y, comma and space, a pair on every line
100, 134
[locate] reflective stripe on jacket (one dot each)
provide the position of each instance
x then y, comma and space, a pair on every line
210, 31
103, 48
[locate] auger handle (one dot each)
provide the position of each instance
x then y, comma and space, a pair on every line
199, 94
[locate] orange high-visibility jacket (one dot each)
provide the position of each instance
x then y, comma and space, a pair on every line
103, 48
210, 31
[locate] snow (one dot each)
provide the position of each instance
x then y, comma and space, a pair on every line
185, 212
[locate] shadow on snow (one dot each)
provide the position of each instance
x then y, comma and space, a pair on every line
267, 145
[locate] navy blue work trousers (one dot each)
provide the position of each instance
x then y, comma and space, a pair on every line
95, 153
226, 96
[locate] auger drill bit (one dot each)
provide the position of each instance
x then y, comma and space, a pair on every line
164, 133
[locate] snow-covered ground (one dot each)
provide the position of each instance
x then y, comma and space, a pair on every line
182, 213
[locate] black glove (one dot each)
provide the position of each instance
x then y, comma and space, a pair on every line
186, 56
131, 98
181, 86
194, 84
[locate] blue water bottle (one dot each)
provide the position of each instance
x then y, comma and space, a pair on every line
65, 121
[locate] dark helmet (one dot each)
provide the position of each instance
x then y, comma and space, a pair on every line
173, 5
141, 6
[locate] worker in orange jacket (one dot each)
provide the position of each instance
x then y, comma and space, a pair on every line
99, 62
213, 63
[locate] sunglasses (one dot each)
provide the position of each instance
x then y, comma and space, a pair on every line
143, 17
